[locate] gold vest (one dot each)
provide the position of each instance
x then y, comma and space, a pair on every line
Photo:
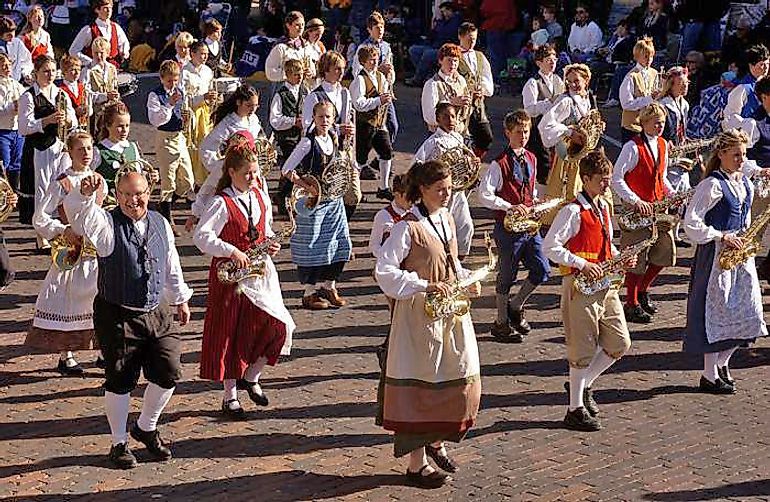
630, 119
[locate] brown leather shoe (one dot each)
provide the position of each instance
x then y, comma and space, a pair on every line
333, 297
315, 302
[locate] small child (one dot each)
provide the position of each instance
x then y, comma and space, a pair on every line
76, 89
164, 111
212, 30
639, 89
11, 142
102, 77
197, 81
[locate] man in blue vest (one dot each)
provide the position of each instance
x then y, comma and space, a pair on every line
139, 277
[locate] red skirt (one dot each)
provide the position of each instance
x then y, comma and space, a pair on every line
236, 333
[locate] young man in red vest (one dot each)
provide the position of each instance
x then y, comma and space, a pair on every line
76, 89
508, 185
640, 179
101, 27
595, 330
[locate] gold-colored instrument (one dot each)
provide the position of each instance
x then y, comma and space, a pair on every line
463, 164
531, 222
6, 190
457, 303
613, 269
267, 156
307, 64
333, 184
592, 127
730, 258
690, 146
229, 273
66, 257
631, 219
62, 127
218, 100
188, 125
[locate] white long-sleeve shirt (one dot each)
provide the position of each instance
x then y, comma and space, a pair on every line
75, 90
707, 194
529, 94
108, 144
358, 91
46, 225
101, 76
627, 99
97, 225
340, 98
278, 120
10, 91
83, 39
198, 80
21, 59
437, 142
731, 116
278, 56
487, 82
627, 160
383, 223
431, 96
43, 37
28, 124
326, 143
392, 279
565, 226
158, 113
552, 126
491, 181
586, 38
386, 55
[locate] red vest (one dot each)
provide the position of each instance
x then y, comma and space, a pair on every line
514, 190
114, 57
646, 179
591, 242
77, 101
36, 51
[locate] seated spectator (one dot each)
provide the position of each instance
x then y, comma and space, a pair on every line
538, 39
271, 18
555, 31
653, 24
615, 58
695, 62
702, 23
585, 36
424, 57
735, 46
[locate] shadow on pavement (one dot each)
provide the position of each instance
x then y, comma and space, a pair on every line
745, 489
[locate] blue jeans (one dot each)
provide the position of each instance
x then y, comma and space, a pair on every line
710, 32
11, 145
424, 58
501, 46
519, 248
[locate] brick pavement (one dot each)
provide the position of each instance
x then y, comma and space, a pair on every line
317, 440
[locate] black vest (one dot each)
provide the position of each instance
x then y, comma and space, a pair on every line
175, 123
43, 108
290, 107
316, 160
761, 149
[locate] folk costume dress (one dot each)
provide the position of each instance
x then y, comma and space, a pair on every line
248, 320
111, 156
198, 81
677, 112
431, 387
38, 44
64, 308
724, 307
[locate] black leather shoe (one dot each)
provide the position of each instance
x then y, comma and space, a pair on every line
516, 318
722, 371
443, 462
65, 370
259, 398
647, 304
121, 457
718, 387
636, 314
504, 333
580, 420
232, 409
385, 194
433, 480
588, 400
153, 442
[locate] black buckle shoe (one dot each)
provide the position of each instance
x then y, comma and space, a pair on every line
516, 318
121, 456
259, 398
153, 442
580, 420
647, 304
588, 400
442, 461
65, 370
636, 314
233, 412
718, 387
722, 372
504, 333
433, 480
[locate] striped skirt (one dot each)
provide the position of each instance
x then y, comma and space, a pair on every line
322, 236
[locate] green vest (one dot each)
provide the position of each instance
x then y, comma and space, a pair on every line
111, 161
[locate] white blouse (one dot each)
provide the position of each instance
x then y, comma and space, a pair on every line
340, 98
430, 96
28, 124
10, 91
552, 127
438, 141
383, 223
199, 80
731, 116
707, 194
278, 55
43, 221
303, 148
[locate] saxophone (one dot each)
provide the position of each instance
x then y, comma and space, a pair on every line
613, 268
62, 128
730, 258
457, 303
690, 146
188, 126
267, 156
531, 222
631, 219
229, 273
463, 164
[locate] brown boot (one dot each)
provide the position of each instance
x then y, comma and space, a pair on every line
333, 297
314, 302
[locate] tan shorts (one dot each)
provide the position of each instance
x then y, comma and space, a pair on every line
590, 321
173, 160
662, 253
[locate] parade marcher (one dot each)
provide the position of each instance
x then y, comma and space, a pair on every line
7, 272
321, 245
595, 330
724, 307
639, 180
13, 47
102, 79
35, 38
431, 386
139, 278
475, 68
247, 325
63, 320
538, 96
743, 102
114, 148
447, 85
182, 44
164, 111
39, 121
314, 30
76, 90
197, 80
212, 31
11, 142
102, 26
389, 216
759, 152
371, 96
639, 88
446, 137
508, 185
292, 46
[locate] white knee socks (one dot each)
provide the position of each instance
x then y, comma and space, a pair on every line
116, 408
155, 399
710, 360
723, 359
230, 390
417, 459
600, 363
384, 173
254, 371
577, 383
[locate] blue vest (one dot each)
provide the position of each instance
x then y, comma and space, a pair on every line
135, 273
729, 214
175, 123
752, 101
761, 149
